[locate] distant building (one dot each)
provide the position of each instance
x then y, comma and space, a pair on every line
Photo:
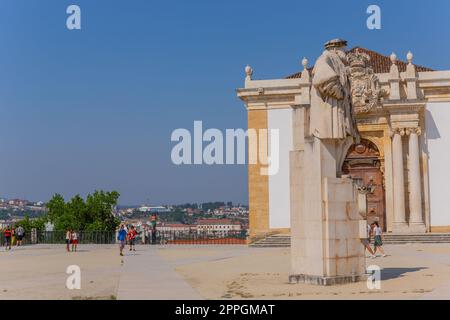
218, 226
157, 209
173, 227
18, 202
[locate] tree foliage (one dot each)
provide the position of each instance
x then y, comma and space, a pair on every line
93, 214
28, 224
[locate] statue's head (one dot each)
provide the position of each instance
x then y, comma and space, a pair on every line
339, 46
336, 44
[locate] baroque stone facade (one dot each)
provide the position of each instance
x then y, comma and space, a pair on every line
397, 105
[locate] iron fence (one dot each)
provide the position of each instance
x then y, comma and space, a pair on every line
163, 237
25, 240
176, 237
84, 237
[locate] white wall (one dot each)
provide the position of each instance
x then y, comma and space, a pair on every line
437, 123
279, 191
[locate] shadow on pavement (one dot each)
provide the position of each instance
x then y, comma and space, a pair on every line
393, 273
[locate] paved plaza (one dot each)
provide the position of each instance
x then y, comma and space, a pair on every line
411, 271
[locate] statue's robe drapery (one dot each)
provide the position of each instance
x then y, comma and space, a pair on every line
331, 110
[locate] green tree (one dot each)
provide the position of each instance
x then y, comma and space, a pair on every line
99, 208
28, 224
94, 214
56, 207
76, 210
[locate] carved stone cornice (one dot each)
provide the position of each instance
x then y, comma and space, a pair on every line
402, 106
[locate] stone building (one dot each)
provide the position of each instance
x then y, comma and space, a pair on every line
403, 154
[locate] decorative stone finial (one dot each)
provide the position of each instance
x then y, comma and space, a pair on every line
393, 58
394, 79
409, 57
411, 78
306, 77
305, 63
248, 72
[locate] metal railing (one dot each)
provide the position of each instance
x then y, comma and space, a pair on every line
25, 240
165, 237
84, 237
168, 237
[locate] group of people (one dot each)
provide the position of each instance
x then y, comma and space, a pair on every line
125, 236
13, 236
374, 230
71, 239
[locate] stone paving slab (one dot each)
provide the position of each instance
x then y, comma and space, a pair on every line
147, 276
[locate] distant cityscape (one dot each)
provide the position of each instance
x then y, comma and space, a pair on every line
211, 217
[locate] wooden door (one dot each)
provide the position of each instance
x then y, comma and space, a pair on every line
363, 162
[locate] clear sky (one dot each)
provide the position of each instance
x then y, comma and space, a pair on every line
94, 109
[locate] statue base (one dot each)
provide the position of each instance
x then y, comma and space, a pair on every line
326, 231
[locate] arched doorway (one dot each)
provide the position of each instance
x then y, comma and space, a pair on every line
363, 162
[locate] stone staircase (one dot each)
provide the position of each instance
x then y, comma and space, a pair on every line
284, 240
273, 241
390, 238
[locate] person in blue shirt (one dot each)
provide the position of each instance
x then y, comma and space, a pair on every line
122, 236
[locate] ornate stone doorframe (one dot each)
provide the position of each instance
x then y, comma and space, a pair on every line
364, 162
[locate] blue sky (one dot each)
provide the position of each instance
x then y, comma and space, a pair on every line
94, 109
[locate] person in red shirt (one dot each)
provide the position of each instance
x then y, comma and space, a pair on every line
132, 238
8, 236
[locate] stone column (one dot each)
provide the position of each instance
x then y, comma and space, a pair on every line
416, 223
399, 223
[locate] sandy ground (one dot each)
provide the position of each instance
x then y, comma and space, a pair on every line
38, 272
215, 272
409, 272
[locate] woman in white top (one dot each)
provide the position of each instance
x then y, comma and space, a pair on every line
378, 246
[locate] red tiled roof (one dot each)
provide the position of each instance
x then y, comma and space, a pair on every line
378, 62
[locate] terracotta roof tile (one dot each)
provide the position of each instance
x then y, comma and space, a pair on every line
378, 62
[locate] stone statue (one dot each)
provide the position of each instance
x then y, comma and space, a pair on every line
325, 213
332, 114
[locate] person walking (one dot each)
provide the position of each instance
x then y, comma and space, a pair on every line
154, 221
8, 236
132, 238
121, 237
366, 241
68, 239
74, 238
378, 238
20, 232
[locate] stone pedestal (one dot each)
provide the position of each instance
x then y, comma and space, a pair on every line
325, 236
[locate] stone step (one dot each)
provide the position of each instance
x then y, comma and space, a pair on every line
287, 245
278, 241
